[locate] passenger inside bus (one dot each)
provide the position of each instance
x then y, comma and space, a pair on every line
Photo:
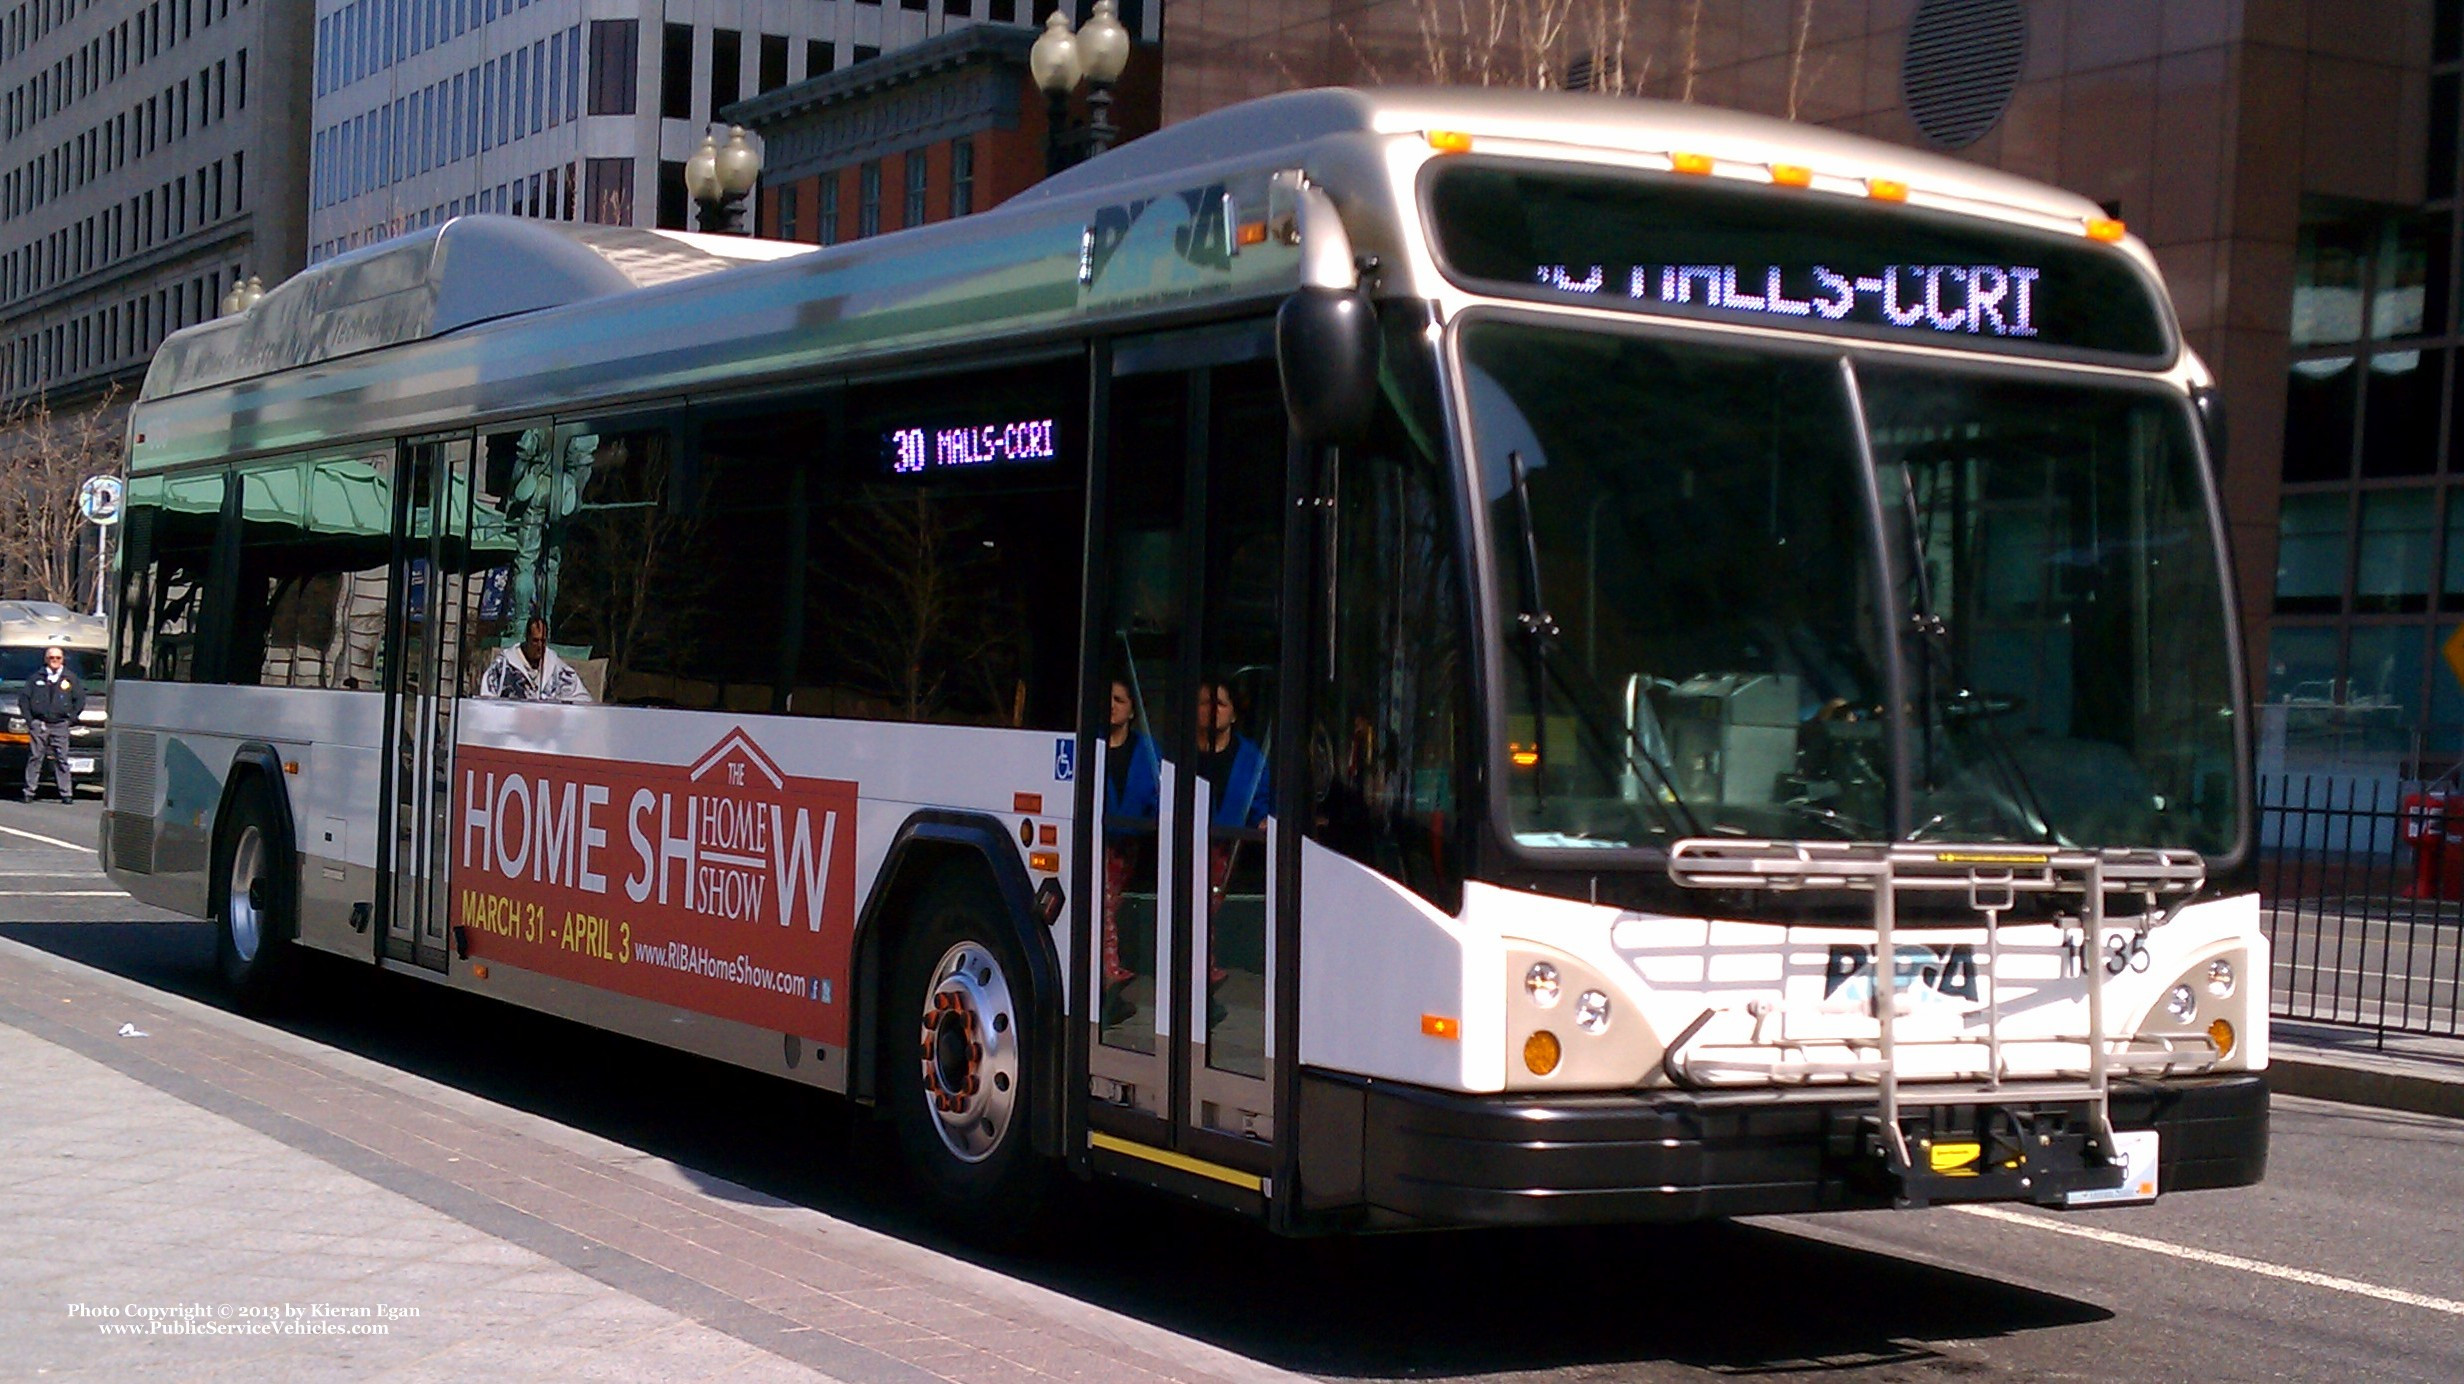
532, 672
1131, 779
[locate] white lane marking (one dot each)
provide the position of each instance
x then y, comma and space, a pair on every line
2223, 1261
48, 840
63, 893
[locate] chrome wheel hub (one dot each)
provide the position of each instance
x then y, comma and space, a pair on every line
970, 1052
244, 909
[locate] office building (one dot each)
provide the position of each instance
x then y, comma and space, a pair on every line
567, 109
151, 155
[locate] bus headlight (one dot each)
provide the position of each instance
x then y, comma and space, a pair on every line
1540, 982
2181, 1004
1591, 1012
2220, 978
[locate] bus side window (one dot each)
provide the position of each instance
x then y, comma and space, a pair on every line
724, 568
314, 566
945, 546
594, 545
172, 522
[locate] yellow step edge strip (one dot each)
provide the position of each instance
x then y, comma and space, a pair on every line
1199, 1166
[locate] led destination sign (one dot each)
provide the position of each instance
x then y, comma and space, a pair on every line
924, 450
1690, 247
1978, 299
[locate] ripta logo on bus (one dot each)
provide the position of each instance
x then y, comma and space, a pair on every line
729, 882
1924, 974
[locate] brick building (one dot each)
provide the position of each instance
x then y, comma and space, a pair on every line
944, 127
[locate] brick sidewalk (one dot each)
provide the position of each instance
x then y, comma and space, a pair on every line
220, 1163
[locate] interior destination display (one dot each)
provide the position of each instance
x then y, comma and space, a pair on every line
1688, 246
923, 450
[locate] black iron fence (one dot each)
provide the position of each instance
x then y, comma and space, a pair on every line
2361, 894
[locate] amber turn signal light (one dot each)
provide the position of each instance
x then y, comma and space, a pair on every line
1541, 1052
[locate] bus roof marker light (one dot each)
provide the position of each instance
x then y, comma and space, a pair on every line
1251, 233
1439, 1026
2108, 229
1886, 189
1450, 141
1696, 164
1792, 175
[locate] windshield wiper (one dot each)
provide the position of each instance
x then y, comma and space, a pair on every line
1540, 633
1932, 635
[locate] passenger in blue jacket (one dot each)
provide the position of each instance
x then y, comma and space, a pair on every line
1131, 782
1235, 771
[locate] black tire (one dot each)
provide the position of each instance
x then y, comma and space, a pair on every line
956, 1036
251, 902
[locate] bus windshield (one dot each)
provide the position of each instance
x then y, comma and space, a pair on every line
1702, 590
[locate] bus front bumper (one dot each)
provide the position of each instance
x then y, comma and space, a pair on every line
1436, 1157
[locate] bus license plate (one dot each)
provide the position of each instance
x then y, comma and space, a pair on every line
2137, 1149
81, 764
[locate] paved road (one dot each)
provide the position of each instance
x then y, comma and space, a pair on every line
2347, 1264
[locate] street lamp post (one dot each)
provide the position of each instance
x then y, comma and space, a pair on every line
1097, 52
719, 178
243, 296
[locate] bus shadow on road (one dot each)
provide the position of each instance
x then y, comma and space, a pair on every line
1729, 1297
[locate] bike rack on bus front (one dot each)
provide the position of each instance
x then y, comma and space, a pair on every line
1993, 877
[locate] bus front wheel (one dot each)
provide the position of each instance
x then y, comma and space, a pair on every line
955, 1063
252, 898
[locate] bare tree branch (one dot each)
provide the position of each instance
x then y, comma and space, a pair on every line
46, 550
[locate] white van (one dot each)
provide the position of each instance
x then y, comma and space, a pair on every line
26, 629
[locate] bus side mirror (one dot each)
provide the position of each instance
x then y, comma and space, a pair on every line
1326, 346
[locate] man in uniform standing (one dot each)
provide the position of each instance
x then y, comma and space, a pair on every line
50, 701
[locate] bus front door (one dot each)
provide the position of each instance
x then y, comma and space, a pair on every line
1187, 663
423, 677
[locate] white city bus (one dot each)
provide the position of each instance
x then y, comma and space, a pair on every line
1372, 658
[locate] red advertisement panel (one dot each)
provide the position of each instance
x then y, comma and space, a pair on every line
724, 886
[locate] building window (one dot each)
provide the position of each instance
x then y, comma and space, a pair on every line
825, 215
789, 196
676, 72
726, 69
773, 61
819, 57
962, 176
672, 200
868, 198
608, 192
916, 180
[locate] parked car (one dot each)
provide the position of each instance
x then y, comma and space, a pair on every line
26, 629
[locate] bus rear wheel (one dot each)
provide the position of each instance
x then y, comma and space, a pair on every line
955, 1064
252, 905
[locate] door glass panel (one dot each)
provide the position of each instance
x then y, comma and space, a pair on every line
1140, 661
1235, 709
410, 679
431, 564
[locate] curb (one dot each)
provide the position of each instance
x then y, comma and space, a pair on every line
2352, 1085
